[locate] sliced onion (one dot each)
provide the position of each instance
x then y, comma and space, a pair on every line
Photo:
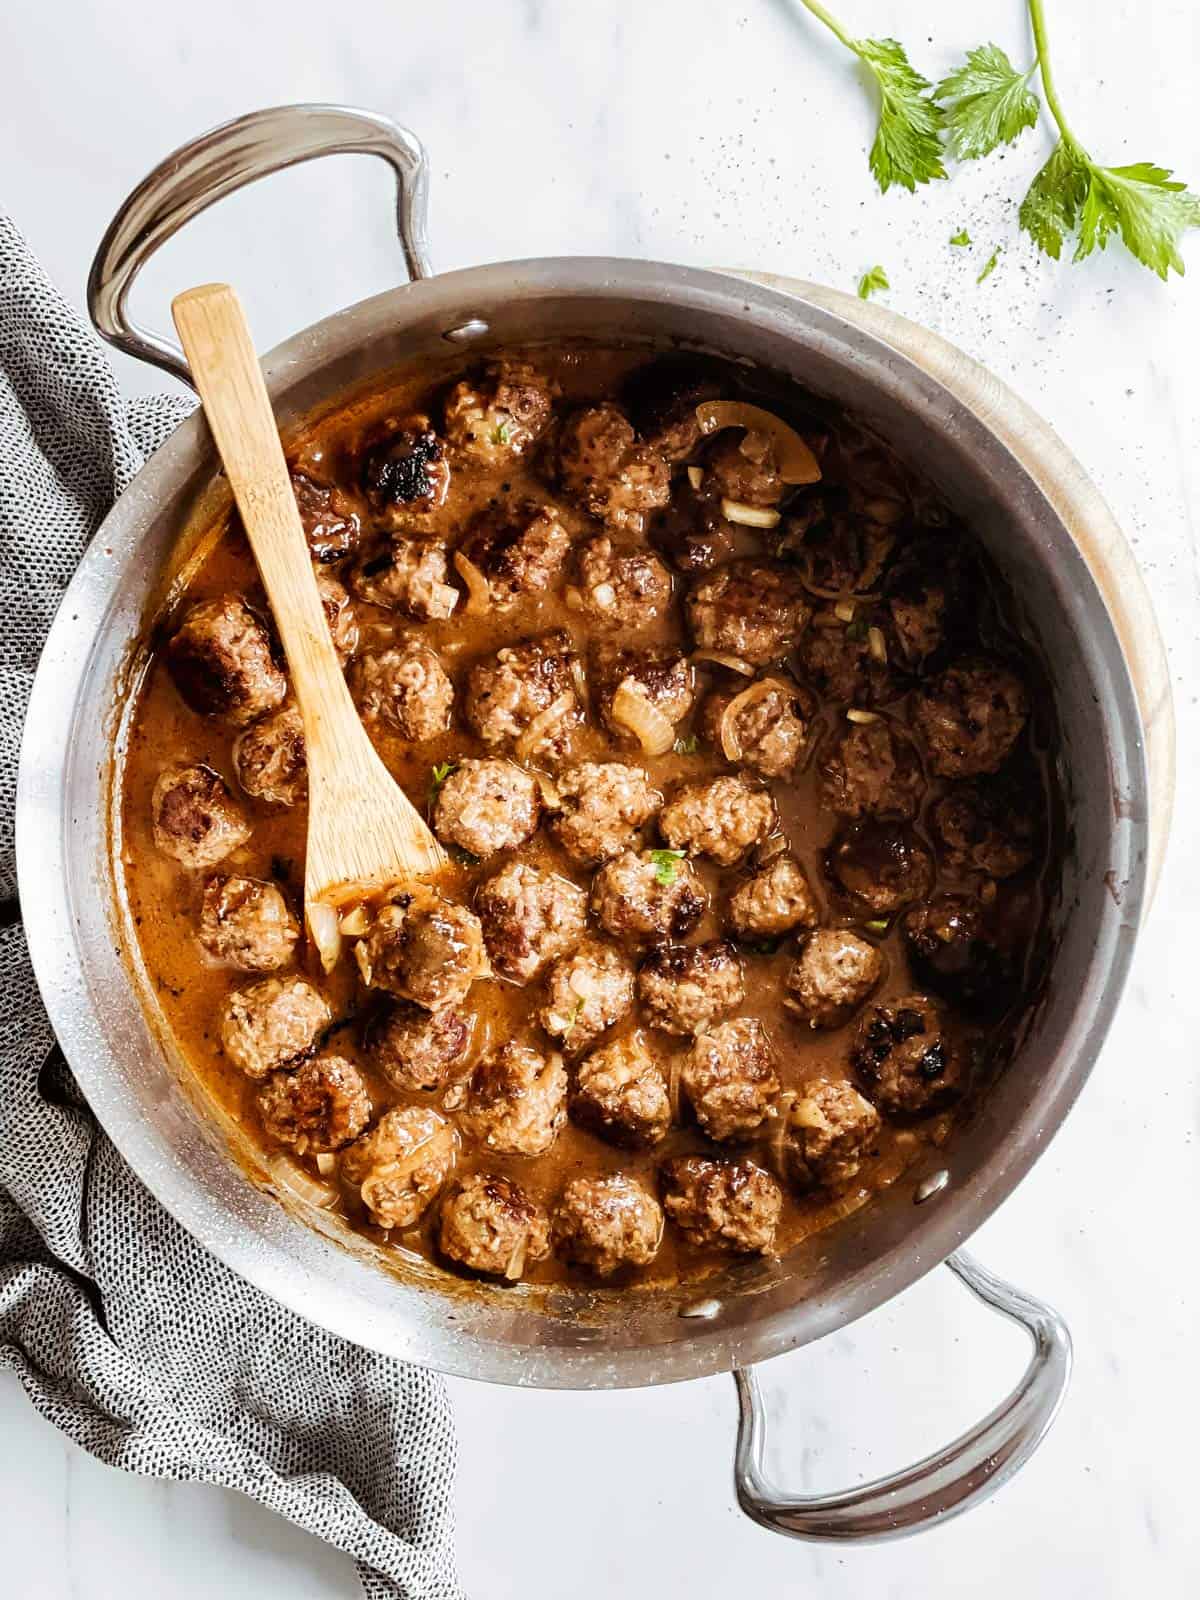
355, 923
675, 1088
442, 1141
515, 1265
535, 732
479, 595
797, 464
863, 717
734, 663
324, 932
777, 1145
632, 710
695, 476
844, 611
327, 1163
730, 743
301, 1185
749, 516
754, 445
443, 597
877, 645
551, 798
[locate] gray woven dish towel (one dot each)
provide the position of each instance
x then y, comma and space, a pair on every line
124, 1332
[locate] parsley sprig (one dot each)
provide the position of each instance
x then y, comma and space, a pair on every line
666, 864
987, 102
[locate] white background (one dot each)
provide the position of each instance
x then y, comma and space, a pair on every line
733, 136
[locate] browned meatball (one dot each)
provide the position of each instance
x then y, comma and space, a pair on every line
743, 467
953, 950
271, 1024
524, 695
424, 949
339, 614
586, 993
495, 415
752, 610
195, 818
842, 664
515, 1102
529, 918
721, 819
401, 1164
486, 806
763, 726
881, 865
599, 807
662, 397
984, 828
905, 1057
405, 468
220, 658
490, 1225
319, 1107
872, 770
621, 1094
329, 520
606, 1223
929, 593
648, 896
658, 676
775, 899
725, 1205
269, 758
683, 987
410, 576
835, 973
829, 1130
730, 1078
520, 551
414, 1048
602, 466
407, 688
836, 550
970, 717
621, 586
247, 924
693, 534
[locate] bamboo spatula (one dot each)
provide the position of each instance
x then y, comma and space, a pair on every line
363, 832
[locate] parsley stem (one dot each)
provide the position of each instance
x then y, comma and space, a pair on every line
1038, 22
831, 22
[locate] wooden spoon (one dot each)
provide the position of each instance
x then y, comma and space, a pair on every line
363, 831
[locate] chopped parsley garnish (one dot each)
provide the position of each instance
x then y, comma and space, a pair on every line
437, 777
688, 746
666, 864
990, 267
871, 282
961, 237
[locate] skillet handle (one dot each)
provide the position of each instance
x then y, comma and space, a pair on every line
943, 1484
217, 164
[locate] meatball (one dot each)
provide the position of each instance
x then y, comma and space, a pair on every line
246, 923
763, 727
405, 468
602, 466
829, 1129
486, 806
694, 535
745, 469
836, 550
410, 576
721, 819
841, 665
984, 828
399, 1167
272, 1024
524, 695
662, 397
424, 949
659, 676
620, 1094
600, 805
319, 1107
221, 660
414, 1048
339, 614
729, 1205
195, 818
648, 896
970, 717
753, 610
730, 1078
683, 987
269, 758
490, 1225
881, 865
775, 899
515, 1102
606, 1223
951, 948
929, 599
836, 972
905, 1057
586, 993
529, 918
499, 413
519, 551
872, 771
621, 586
329, 521
407, 688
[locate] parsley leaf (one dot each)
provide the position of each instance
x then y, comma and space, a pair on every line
666, 864
686, 747
872, 281
573, 1020
437, 777
987, 103
961, 237
992, 262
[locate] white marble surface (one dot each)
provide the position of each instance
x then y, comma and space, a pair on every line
726, 135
